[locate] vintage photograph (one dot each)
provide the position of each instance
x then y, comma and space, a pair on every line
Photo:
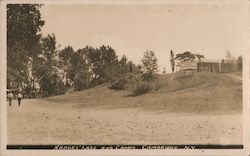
124, 74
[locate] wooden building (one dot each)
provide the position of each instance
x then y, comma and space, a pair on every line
205, 65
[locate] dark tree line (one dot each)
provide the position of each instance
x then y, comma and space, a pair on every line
89, 67
36, 66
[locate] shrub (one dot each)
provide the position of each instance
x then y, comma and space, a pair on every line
143, 88
119, 84
134, 83
125, 81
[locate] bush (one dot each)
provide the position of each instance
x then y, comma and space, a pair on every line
150, 77
134, 83
125, 81
143, 88
119, 84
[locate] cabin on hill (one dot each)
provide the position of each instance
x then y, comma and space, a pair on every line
216, 66
195, 62
205, 65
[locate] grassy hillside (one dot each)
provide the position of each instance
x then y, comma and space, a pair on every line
201, 93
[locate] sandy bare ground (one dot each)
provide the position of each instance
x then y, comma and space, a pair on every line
41, 122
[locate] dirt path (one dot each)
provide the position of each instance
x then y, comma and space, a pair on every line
38, 122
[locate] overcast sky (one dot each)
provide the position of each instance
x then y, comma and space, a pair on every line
210, 30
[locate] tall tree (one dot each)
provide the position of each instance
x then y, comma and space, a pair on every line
124, 66
66, 63
48, 72
239, 63
82, 78
231, 62
229, 58
172, 60
23, 36
132, 67
149, 66
104, 63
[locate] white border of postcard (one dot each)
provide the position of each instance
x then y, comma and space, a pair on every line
246, 139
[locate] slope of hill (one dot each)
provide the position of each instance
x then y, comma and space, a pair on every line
202, 109
200, 93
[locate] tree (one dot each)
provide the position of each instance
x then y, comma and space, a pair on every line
48, 72
76, 66
49, 48
103, 62
66, 54
172, 60
164, 70
131, 66
90, 66
229, 58
186, 54
23, 36
67, 64
123, 65
149, 66
82, 78
231, 62
239, 63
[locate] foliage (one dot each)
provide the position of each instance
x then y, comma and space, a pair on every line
149, 66
34, 63
103, 64
23, 42
46, 68
232, 63
124, 66
229, 58
125, 81
186, 54
90, 66
142, 88
52, 84
65, 59
82, 76
75, 67
49, 48
119, 84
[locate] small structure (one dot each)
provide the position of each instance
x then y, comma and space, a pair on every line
185, 62
188, 64
205, 65
196, 62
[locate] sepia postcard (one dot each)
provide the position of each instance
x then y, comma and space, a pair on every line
125, 77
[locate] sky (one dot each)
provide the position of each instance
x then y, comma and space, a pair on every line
131, 29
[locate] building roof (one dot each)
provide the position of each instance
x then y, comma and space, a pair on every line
209, 61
